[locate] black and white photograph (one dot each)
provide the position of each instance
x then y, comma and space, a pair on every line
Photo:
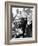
21, 22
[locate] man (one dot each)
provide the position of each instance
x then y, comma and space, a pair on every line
29, 30
23, 25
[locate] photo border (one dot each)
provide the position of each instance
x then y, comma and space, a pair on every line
7, 21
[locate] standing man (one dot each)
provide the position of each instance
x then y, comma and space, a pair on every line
23, 25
